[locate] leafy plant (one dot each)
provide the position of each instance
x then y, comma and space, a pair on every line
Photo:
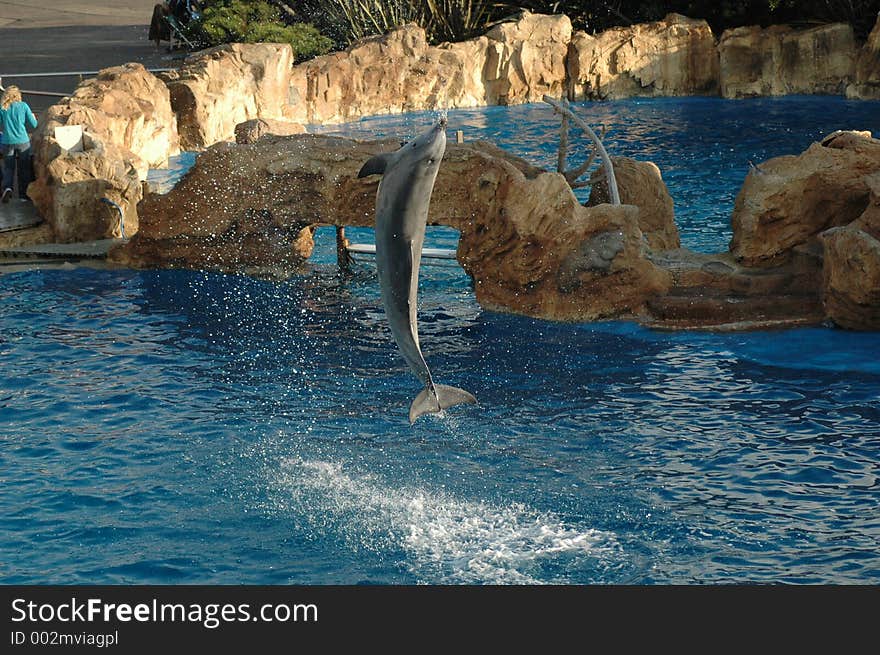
243, 21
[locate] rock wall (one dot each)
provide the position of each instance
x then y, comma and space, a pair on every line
219, 88
128, 127
675, 56
866, 85
780, 60
513, 63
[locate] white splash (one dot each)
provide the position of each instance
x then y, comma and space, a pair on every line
446, 540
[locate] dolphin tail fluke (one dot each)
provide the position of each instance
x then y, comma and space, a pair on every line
429, 403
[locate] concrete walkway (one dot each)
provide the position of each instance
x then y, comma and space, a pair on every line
40, 36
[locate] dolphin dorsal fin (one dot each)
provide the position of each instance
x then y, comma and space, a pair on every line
375, 165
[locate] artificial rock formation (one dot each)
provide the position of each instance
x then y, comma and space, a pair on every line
515, 62
851, 289
251, 131
851, 271
218, 88
866, 83
527, 242
780, 60
128, 127
675, 56
640, 183
71, 201
789, 200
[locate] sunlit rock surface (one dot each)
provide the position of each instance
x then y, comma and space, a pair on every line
525, 239
128, 126
789, 200
781, 60
674, 56
72, 185
866, 85
515, 62
218, 88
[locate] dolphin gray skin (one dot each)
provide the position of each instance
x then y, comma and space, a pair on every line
402, 200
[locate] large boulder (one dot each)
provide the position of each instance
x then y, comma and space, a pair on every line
72, 185
851, 290
674, 56
639, 183
128, 127
866, 83
851, 271
126, 106
393, 73
218, 88
780, 60
788, 201
530, 246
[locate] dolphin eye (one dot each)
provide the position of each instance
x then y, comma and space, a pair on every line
431, 160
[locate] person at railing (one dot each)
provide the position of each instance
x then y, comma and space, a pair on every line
15, 117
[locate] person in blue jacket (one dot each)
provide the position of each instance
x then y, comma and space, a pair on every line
15, 117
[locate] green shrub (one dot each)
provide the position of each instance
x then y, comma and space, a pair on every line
243, 21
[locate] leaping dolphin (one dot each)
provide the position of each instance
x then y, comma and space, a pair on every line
402, 200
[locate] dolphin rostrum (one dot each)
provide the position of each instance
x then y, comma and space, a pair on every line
408, 176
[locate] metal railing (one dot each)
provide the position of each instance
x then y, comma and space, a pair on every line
80, 74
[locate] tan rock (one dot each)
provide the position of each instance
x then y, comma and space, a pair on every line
851, 293
789, 200
528, 243
869, 221
780, 60
128, 127
126, 106
69, 191
515, 62
675, 56
639, 183
251, 130
866, 82
526, 59
218, 88
392, 73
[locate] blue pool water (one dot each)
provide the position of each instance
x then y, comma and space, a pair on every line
186, 427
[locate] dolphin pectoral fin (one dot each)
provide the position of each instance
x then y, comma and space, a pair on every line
427, 402
375, 165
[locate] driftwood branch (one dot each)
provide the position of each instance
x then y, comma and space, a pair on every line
606, 160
